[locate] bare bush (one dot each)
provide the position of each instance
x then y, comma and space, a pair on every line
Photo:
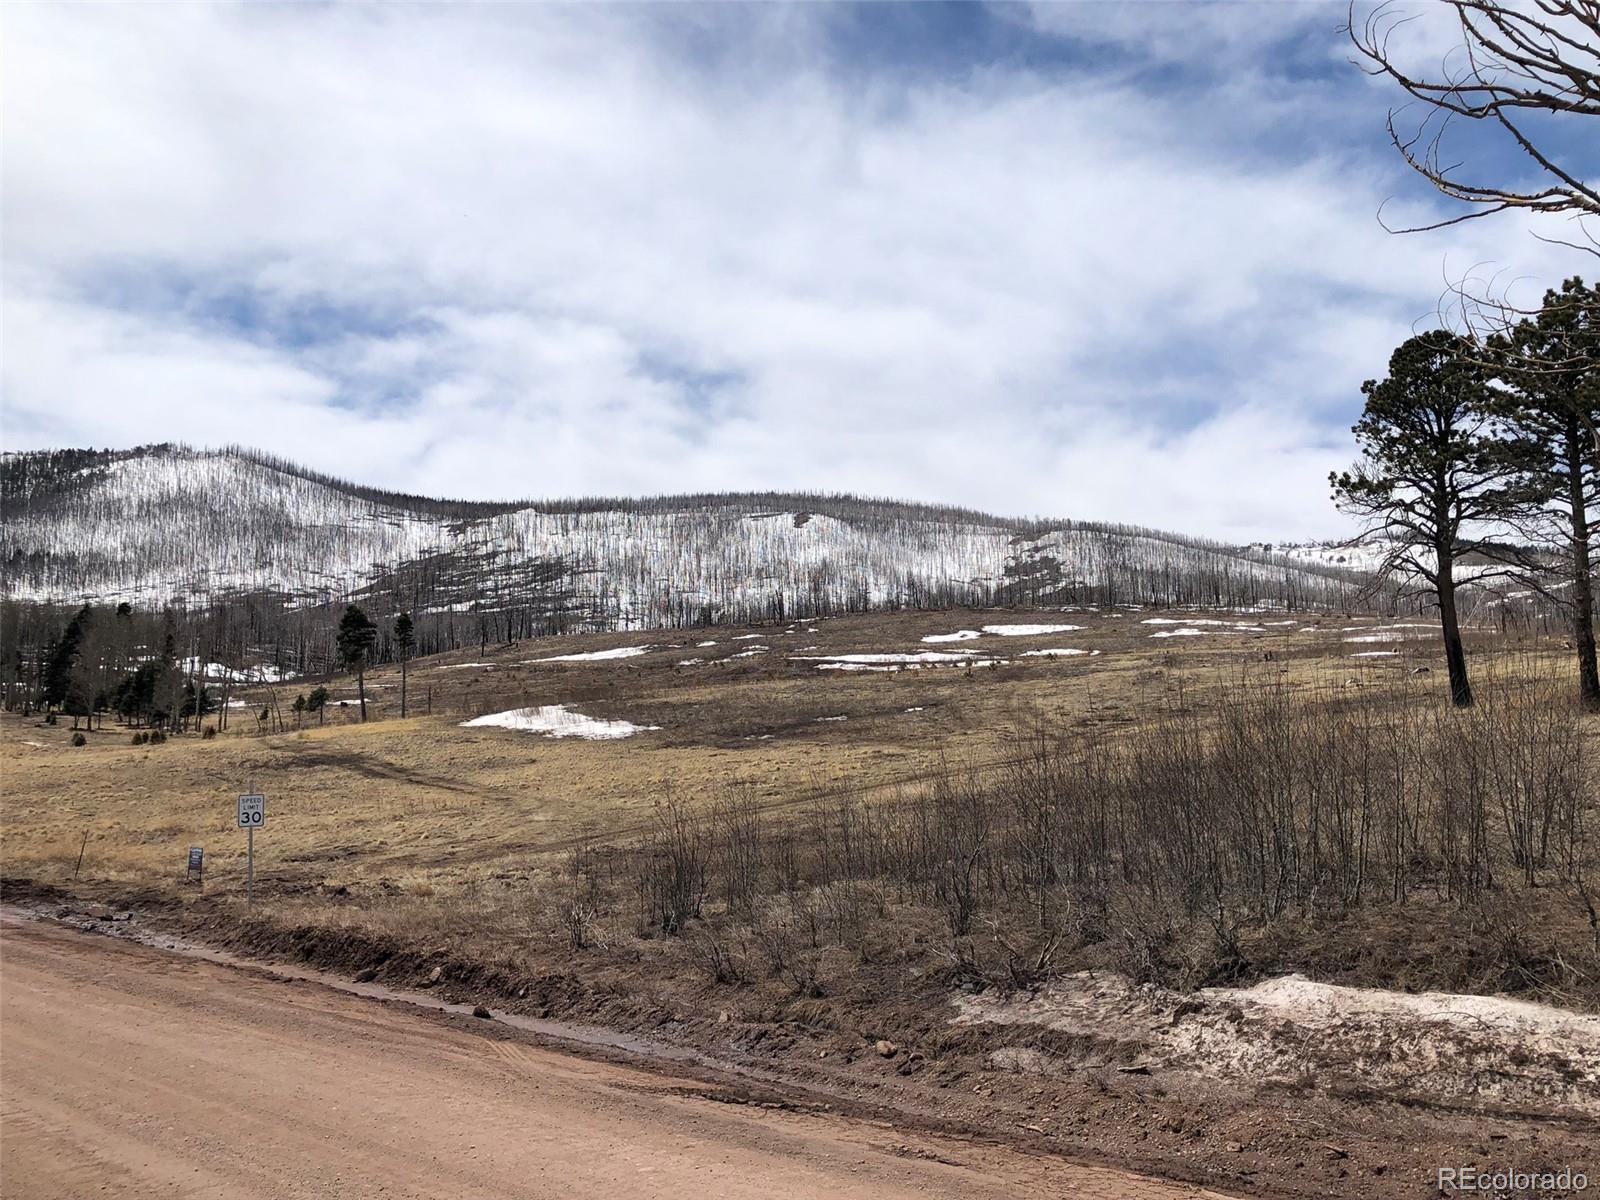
1167, 852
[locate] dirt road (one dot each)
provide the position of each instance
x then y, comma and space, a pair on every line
128, 1071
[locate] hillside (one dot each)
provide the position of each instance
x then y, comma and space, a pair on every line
167, 523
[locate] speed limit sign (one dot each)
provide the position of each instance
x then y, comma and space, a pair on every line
252, 812
252, 816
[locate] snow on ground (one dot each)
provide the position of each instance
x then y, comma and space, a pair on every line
920, 658
461, 666
1057, 652
264, 529
559, 721
258, 673
967, 635
899, 662
1390, 625
1165, 633
1029, 630
1338, 554
1396, 634
1433, 1046
750, 653
1375, 654
597, 655
1190, 622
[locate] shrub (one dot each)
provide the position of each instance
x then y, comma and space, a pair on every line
156, 737
210, 731
79, 740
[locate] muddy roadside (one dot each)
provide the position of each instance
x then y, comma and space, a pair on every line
1095, 1071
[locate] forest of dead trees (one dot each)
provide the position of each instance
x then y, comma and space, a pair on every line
251, 562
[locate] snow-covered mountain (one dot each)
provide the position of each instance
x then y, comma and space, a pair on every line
200, 527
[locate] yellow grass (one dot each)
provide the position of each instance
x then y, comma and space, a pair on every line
423, 807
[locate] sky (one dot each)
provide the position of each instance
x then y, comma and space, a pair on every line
1105, 261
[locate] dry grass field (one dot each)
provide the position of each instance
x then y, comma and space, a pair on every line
411, 807
537, 874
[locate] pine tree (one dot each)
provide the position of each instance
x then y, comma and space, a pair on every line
405, 639
357, 635
1550, 404
1433, 481
63, 658
317, 702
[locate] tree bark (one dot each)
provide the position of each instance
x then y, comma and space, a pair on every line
1455, 656
361, 688
402, 688
1582, 584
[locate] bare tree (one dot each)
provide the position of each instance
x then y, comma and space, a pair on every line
1525, 68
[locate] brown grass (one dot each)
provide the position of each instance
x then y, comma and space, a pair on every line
425, 803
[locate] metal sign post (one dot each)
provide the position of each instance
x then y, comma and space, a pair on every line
252, 816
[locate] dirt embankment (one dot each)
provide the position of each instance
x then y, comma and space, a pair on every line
1218, 1089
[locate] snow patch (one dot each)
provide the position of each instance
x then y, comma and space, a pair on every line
596, 655
920, 658
558, 721
1029, 630
1473, 1050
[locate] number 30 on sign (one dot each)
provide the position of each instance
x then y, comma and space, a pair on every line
252, 812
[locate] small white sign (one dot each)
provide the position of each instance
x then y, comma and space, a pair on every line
252, 812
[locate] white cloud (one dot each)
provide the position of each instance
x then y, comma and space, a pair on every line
532, 251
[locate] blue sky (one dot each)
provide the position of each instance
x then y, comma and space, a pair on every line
1098, 260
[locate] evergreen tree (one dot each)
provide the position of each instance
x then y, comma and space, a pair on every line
196, 705
134, 698
87, 685
317, 702
1549, 366
405, 640
63, 658
357, 635
1433, 481
169, 682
